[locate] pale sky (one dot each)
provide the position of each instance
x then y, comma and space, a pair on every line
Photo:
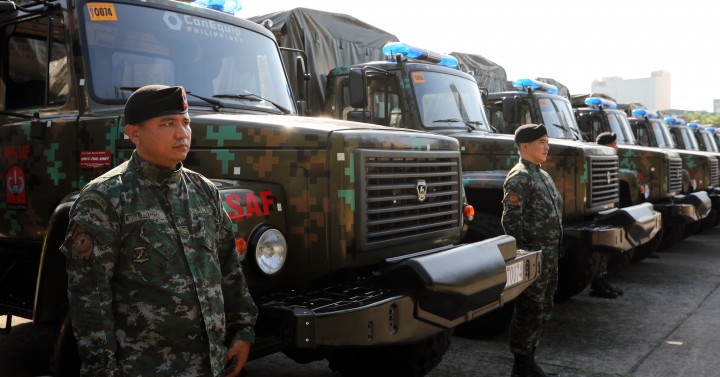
574, 42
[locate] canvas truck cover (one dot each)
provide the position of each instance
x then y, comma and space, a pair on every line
562, 89
329, 39
488, 74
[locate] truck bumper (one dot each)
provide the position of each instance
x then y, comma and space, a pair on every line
619, 229
715, 198
688, 208
410, 300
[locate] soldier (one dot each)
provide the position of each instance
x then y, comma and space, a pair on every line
599, 287
532, 213
154, 280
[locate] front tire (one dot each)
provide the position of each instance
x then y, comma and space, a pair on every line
409, 360
66, 359
576, 269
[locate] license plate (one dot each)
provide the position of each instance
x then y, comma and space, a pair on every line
515, 273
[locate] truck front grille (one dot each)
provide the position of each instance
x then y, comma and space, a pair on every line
604, 181
407, 196
674, 176
714, 173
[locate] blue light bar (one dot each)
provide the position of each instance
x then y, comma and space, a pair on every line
693, 125
535, 85
671, 120
393, 48
711, 129
597, 102
227, 6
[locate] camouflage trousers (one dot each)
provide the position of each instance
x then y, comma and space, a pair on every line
534, 306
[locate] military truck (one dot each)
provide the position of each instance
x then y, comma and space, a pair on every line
365, 222
659, 171
582, 176
690, 137
424, 90
650, 130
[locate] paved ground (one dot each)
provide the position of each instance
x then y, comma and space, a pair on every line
665, 325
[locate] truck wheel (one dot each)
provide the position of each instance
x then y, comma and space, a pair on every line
489, 325
671, 234
709, 221
483, 226
690, 229
642, 251
65, 359
409, 360
576, 270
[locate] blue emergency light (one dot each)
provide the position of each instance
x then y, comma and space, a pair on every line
597, 102
711, 130
693, 125
393, 48
673, 121
643, 113
535, 85
227, 6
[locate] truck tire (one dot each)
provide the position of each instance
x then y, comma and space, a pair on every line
65, 359
484, 226
409, 360
489, 325
690, 229
642, 251
671, 234
576, 270
709, 221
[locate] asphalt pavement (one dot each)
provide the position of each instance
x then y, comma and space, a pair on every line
666, 324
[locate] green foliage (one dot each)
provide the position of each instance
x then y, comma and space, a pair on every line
703, 118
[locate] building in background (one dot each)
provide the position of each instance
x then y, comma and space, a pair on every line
716, 106
653, 91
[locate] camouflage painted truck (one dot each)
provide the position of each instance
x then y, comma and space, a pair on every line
692, 137
659, 171
363, 222
414, 88
698, 167
589, 174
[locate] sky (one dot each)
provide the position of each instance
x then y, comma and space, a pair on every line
574, 42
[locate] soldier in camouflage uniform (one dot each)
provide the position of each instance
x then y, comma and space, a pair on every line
532, 213
154, 279
599, 287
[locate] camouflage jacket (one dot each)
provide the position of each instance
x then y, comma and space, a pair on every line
154, 279
532, 206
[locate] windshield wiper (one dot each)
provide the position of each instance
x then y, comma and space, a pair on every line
470, 124
217, 105
567, 129
254, 97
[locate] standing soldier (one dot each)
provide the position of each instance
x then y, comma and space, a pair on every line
532, 213
155, 282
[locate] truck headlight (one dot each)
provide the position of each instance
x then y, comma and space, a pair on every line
270, 251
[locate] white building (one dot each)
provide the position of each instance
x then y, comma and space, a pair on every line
653, 91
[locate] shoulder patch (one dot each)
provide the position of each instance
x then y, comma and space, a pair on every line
513, 199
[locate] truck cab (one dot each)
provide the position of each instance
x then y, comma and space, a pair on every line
657, 170
533, 101
423, 90
365, 222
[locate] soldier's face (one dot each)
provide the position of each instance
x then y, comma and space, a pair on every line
535, 151
163, 140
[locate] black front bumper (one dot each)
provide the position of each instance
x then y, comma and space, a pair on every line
618, 229
689, 208
407, 300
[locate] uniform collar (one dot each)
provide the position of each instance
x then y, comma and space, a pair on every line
530, 165
154, 173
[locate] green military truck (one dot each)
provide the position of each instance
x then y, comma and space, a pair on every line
659, 170
690, 137
413, 88
584, 172
363, 223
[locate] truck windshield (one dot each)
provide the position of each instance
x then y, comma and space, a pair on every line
558, 118
621, 127
138, 45
685, 138
708, 141
448, 101
662, 134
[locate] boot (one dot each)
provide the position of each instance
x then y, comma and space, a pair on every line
536, 371
613, 289
599, 288
522, 367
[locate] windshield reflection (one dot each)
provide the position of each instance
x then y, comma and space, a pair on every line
449, 101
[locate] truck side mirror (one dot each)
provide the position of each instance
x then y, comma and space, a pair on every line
509, 108
357, 85
303, 88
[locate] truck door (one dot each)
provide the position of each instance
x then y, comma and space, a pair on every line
36, 163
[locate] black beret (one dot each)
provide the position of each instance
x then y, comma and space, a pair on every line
606, 138
153, 101
529, 132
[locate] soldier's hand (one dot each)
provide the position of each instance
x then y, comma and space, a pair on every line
241, 350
